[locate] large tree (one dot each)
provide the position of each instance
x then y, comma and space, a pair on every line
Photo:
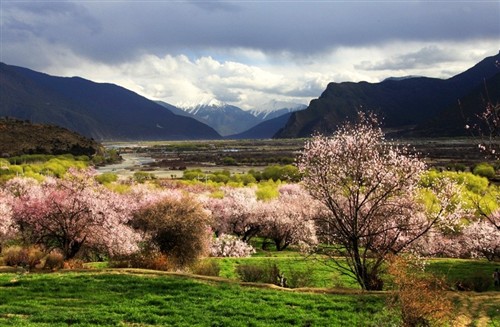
370, 189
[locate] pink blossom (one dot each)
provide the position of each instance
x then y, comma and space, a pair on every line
230, 246
73, 212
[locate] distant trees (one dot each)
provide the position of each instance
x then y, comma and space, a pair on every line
370, 189
285, 219
289, 219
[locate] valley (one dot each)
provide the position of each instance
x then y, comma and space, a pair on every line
168, 159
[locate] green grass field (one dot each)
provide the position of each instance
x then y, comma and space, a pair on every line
124, 299
128, 297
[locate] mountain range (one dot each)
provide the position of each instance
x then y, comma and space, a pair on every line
232, 122
410, 106
96, 110
405, 104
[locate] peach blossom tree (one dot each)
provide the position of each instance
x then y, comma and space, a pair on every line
72, 212
370, 189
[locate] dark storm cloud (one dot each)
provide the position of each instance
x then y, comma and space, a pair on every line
53, 21
118, 31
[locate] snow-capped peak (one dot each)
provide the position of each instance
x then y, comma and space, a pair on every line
203, 102
274, 108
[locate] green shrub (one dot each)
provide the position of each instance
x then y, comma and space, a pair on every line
296, 278
269, 274
251, 273
229, 161
206, 268
484, 170
106, 178
267, 191
141, 176
477, 282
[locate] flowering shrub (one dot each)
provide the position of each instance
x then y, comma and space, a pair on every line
7, 227
230, 246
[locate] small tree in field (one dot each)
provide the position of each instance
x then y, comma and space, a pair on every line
178, 228
370, 190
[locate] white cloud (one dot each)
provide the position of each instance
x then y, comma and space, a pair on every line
246, 52
259, 77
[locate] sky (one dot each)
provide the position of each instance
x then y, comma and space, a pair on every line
246, 53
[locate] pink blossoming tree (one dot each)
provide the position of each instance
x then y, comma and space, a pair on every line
7, 227
370, 189
72, 212
289, 219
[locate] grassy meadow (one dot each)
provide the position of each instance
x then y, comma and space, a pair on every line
131, 297
127, 299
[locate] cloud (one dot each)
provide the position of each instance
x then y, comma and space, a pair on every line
111, 32
246, 52
424, 57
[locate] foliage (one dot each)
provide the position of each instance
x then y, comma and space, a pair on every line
420, 297
54, 260
179, 228
110, 156
106, 178
272, 273
479, 281
73, 264
142, 176
38, 166
370, 191
224, 177
206, 268
147, 258
288, 173
269, 274
275, 173
267, 191
484, 170
230, 246
26, 257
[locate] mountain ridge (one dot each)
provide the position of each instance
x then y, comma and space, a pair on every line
405, 102
102, 111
